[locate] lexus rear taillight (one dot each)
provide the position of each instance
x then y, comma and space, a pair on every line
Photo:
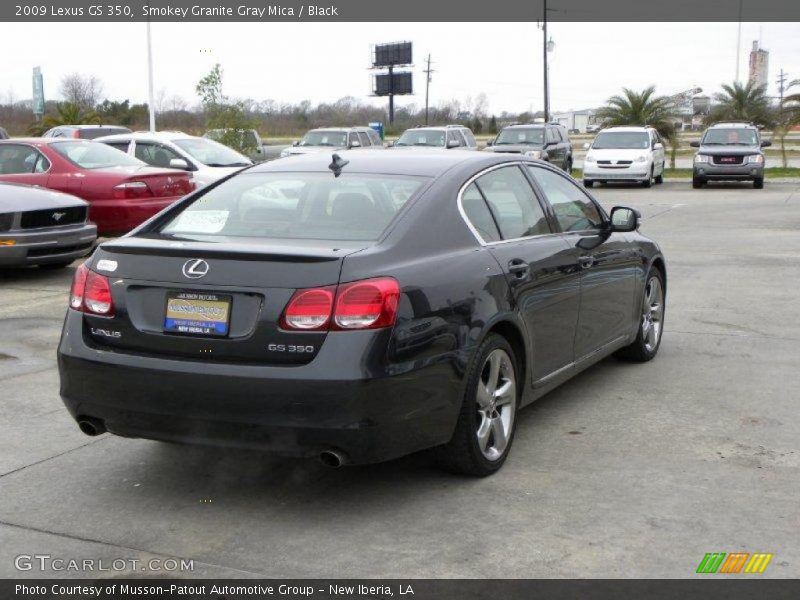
132, 189
309, 310
368, 304
91, 293
76, 134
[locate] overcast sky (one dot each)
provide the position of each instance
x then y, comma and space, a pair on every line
290, 62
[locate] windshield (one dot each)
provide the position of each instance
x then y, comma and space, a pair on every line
519, 135
211, 153
628, 140
421, 137
325, 138
315, 206
730, 137
94, 155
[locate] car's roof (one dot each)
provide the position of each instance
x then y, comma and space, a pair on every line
733, 125
88, 126
636, 128
45, 141
163, 136
421, 162
342, 129
527, 125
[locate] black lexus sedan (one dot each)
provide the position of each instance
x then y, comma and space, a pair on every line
358, 307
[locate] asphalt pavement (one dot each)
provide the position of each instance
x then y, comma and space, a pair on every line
626, 471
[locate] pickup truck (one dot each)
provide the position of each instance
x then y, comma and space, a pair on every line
250, 143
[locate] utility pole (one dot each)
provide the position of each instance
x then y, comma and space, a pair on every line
738, 43
781, 85
427, 72
150, 103
544, 55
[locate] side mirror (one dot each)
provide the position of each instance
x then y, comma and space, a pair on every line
296, 143
765, 143
179, 163
624, 219
390, 144
695, 143
489, 142
453, 143
586, 145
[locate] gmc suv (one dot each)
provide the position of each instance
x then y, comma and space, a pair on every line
729, 152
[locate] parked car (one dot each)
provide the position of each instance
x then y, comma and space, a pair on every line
84, 132
205, 159
729, 152
625, 154
260, 149
121, 190
447, 137
402, 301
549, 142
334, 138
42, 227
3, 134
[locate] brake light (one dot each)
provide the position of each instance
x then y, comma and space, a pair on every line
309, 310
368, 304
91, 293
131, 189
76, 134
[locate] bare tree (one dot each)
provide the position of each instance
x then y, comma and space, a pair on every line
83, 91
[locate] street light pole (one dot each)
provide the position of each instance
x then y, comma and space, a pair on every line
544, 54
150, 102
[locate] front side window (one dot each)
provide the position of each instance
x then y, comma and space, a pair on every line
621, 140
574, 210
211, 153
94, 155
364, 139
513, 205
18, 159
296, 206
469, 137
155, 154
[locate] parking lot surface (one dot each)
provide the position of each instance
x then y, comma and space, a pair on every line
626, 471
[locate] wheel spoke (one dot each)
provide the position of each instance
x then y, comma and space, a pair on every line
501, 394
484, 431
494, 372
499, 434
484, 396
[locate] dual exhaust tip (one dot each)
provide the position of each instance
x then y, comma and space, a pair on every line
94, 427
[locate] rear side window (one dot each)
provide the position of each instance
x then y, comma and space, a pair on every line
574, 210
364, 139
376, 139
91, 133
478, 214
121, 146
296, 206
155, 154
514, 207
17, 159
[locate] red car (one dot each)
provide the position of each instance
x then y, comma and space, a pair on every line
121, 190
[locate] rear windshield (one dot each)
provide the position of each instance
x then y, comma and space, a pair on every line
94, 155
731, 137
91, 133
211, 153
628, 140
296, 206
521, 135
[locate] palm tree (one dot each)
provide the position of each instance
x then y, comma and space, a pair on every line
642, 108
68, 114
742, 102
788, 117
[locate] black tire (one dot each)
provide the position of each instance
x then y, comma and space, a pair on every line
462, 454
697, 183
56, 265
758, 183
642, 349
649, 181
660, 177
568, 167
588, 183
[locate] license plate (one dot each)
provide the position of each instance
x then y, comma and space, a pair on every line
195, 313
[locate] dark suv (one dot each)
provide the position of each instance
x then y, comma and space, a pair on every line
84, 132
548, 142
729, 152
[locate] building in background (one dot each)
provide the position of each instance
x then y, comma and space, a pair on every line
759, 65
576, 121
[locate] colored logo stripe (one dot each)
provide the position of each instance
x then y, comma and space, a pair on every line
758, 563
711, 562
734, 562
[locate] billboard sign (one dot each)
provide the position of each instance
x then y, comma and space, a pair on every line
38, 93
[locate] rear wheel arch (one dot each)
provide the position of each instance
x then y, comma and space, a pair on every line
658, 263
512, 333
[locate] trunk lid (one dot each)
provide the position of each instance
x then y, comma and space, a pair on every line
256, 279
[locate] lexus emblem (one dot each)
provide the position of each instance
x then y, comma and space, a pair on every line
195, 268
57, 216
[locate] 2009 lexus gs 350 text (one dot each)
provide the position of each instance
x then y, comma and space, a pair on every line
358, 307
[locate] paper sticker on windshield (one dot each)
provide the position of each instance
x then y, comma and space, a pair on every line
201, 221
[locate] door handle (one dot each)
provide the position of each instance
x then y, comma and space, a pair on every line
519, 268
586, 261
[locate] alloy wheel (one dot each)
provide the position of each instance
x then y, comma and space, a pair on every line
652, 313
496, 403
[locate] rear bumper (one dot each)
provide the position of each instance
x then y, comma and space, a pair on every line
746, 172
120, 216
328, 404
50, 245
